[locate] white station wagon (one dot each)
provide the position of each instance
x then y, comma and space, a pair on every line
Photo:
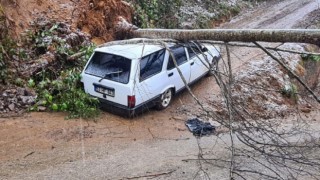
128, 79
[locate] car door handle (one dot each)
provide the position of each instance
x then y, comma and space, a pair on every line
170, 74
192, 63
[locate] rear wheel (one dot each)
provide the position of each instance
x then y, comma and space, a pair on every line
165, 99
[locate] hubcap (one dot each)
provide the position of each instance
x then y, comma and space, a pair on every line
166, 98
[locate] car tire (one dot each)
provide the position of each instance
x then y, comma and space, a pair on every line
165, 99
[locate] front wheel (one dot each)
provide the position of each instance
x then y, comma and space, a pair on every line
165, 99
213, 66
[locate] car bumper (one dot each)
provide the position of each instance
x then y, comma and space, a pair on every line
125, 111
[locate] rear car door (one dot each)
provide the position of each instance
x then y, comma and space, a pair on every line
152, 78
180, 55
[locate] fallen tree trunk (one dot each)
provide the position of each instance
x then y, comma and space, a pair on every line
227, 35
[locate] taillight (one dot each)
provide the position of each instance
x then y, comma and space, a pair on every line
131, 101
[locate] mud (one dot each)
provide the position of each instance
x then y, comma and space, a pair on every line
99, 18
46, 146
95, 17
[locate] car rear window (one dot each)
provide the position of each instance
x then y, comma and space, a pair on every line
109, 66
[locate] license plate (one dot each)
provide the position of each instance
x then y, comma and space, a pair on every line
102, 90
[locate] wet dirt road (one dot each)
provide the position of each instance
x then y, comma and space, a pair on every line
154, 145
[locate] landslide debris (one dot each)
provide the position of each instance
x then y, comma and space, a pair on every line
264, 89
42, 62
99, 18
39, 49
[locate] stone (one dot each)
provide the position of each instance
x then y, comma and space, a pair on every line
11, 91
21, 91
27, 99
305, 110
41, 108
30, 92
177, 118
214, 123
11, 107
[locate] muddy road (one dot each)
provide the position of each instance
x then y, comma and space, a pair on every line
154, 145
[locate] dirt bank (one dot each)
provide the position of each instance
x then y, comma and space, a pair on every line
95, 17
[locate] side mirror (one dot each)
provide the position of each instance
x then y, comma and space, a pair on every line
204, 49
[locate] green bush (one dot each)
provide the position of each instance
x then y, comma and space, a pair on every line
290, 91
66, 94
58, 87
156, 13
307, 57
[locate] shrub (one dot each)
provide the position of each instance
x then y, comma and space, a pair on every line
66, 94
156, 13
290, 91
311, 57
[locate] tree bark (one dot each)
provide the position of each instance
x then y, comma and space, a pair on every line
227, 35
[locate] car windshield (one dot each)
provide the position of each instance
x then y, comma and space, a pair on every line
109, 66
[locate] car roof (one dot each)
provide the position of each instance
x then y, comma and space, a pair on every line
131, 51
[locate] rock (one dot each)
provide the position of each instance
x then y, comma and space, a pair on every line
305, 110
4, 94
27, 99
11, 107
1, 108
177, 118
220, 112
8, 91
41, 108
11, 95
21, 92
214, 123
12, 100
30, 92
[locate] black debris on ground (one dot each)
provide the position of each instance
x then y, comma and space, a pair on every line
200, 128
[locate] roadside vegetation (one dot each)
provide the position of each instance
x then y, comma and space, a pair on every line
58, 87
41, 61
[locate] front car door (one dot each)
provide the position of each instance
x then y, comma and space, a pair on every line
200, 65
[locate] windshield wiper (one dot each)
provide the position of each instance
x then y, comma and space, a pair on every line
110, 73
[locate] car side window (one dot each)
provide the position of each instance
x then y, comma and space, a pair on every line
151, 64
193, 49
180, 56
